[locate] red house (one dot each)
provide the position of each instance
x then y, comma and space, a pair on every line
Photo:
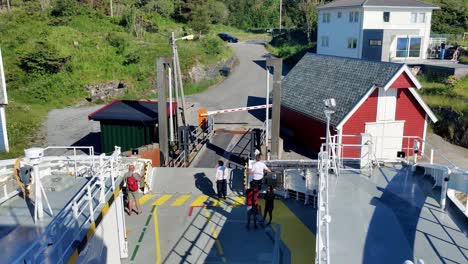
377, 98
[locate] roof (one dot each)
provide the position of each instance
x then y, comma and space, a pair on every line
318, 77
130, 111
371, 3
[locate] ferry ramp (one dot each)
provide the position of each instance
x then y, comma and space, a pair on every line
183, 222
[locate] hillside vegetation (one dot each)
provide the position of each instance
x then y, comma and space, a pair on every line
51, 54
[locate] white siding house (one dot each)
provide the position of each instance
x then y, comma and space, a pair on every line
389, 30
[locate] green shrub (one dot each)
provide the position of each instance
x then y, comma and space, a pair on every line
212, 45
131, 58
117, 41
65, 8
463, 59
43, 59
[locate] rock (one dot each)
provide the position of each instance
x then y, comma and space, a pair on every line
200, 73
103, 91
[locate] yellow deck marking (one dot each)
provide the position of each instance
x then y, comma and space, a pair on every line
156, 236
239, 201
214, 233
145, 198
200, 200
161, 200
181, 200
291, 229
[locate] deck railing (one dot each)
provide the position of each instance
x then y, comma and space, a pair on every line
57, 242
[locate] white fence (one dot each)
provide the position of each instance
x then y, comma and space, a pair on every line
71, 224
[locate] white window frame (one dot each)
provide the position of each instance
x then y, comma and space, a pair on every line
326, 17
389, 16
414, 17
422, 17
352, 43
353, 17
409, 37
324, 41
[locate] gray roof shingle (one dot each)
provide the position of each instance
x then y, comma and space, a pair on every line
318, 77
359, 3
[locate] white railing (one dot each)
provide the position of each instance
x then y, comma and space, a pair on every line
69, 227
74, 158
322, 250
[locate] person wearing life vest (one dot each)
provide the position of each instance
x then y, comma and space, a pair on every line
133, 179
251, 202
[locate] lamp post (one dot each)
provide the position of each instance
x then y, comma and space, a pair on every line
178, 75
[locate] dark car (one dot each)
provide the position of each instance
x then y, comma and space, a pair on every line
227, 37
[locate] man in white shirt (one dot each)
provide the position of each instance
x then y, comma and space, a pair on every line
257, 171
221, 180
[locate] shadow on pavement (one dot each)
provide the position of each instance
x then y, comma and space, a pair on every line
93, 139
204, 184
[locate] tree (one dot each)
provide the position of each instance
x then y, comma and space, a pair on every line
452, 18
198, 15
219, 13
163, 7
309, 12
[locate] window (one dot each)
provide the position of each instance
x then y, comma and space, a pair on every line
375, 42
339, 14
414, 17
353, 17
326, 17
324, 41
422, 18
386, 16
408, 47
352, 43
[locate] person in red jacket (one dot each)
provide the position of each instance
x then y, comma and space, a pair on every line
251, 201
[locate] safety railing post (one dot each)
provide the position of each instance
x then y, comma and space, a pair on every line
90, 203
112, 174
431, 161
74, 158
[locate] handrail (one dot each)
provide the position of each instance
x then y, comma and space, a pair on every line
57, 229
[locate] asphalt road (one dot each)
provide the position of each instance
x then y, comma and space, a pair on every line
246, 86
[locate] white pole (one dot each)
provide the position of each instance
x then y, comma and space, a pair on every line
176, 84
171, 120
111, 9
267, 111
38, 208
281, 8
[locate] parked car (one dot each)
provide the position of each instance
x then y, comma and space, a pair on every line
227, 37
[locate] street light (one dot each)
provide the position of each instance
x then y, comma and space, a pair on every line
177, 81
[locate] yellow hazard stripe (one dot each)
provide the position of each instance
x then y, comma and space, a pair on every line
200, 200
181, 200
145, 198
161, 200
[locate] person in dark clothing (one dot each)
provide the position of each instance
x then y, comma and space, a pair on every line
269, 202
251, 202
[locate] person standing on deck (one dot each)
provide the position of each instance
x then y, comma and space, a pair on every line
221, 180
257, 172
251, 202
132, 179
442, 50
269, 203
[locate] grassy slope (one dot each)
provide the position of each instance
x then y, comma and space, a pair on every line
94, 60
437, 93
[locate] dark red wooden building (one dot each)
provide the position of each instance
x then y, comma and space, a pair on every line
377, 98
